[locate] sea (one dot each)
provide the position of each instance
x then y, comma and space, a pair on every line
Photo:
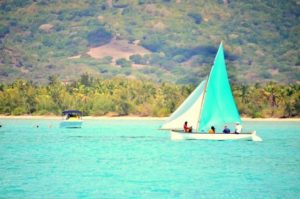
134, 159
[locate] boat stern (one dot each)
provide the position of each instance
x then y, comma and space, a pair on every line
255, 137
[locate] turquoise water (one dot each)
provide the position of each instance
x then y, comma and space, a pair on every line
132, 159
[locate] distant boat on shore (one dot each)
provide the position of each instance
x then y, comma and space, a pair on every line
71, 119
210, 104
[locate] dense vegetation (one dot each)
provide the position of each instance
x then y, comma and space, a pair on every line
39, 37
134, 97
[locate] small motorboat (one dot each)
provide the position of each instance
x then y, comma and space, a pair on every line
71, 119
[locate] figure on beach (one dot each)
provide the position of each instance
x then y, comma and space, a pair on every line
238, 128
186, 128
212, 130
226, 129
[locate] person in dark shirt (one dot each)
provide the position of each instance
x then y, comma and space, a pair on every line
186, 128
226, 129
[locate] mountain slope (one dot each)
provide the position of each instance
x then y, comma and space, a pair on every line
38, 38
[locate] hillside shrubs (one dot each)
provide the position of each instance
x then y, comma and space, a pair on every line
196, 17
179, 31
98, 37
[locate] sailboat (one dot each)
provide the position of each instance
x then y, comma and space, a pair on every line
210, 104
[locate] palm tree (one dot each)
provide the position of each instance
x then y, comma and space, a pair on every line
244, 94
270, 92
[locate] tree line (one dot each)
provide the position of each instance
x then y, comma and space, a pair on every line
120, 96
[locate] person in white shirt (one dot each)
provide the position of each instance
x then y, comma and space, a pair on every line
238, 128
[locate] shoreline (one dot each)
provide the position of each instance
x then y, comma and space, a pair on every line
133, 118
84, 117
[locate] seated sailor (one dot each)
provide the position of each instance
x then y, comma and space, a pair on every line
212, 130
238, 128
186, 128
226, 129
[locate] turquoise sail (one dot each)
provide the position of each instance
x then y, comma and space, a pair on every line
219, 107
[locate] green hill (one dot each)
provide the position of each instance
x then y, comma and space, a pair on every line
162, 40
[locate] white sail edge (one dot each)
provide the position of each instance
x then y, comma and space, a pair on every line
191, 116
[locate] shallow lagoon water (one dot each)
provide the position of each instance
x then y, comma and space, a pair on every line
133, 159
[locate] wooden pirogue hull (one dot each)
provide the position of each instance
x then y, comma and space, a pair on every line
180, 135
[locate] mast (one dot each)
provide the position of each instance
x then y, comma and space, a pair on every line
204, 92
205, 88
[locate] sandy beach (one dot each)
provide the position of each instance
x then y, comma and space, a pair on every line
84, 117
131, 118
272, 119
